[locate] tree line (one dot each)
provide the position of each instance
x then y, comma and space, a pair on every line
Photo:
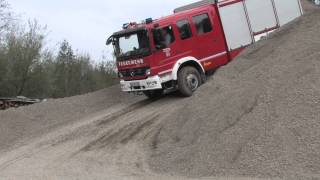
28, 69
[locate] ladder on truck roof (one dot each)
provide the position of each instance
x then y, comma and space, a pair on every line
194, 5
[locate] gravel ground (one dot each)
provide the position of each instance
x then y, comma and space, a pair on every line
258, 117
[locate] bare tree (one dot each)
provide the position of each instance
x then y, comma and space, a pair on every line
5, 16
26, 69
23, 54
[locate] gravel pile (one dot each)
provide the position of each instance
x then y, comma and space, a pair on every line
18, 125
258, 117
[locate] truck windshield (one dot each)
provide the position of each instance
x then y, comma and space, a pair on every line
133, 44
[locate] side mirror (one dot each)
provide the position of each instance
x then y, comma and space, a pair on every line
160, 46
109, 40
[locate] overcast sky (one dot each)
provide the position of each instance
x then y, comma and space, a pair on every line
87, 23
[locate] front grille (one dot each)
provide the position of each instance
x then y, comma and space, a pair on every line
133, 72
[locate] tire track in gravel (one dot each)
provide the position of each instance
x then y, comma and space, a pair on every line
123, 112
122, 135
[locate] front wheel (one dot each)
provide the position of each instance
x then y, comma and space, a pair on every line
153, 94
189, 80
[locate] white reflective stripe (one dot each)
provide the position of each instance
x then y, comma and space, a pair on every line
213, 56
164, 65
201, 60
164, 72
223, 2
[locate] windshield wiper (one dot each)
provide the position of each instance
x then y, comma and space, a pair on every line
137, 52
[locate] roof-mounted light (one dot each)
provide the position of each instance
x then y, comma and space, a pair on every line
149, 20
125, 26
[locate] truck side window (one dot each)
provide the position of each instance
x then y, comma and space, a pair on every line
184, 29
202, 23
164, 37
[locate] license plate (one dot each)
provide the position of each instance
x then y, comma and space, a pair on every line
135, 84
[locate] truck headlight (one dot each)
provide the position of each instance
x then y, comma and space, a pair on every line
148, 72
120, 75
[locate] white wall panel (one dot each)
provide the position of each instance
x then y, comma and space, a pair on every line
235, 25
288, 10
261, 14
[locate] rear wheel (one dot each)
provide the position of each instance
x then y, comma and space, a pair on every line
153, 94
189, 80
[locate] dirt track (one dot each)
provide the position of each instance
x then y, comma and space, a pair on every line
258, 117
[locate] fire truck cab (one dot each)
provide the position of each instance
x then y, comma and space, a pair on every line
176, 52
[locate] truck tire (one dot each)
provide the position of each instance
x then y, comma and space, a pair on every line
153, 94
189, 79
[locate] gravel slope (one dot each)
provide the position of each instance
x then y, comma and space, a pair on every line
258, 117
18, 125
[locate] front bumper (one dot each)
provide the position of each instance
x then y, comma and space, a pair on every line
151, 83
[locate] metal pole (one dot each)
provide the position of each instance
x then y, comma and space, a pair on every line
248, 20
275, 13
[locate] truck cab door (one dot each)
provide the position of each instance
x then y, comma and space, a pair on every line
166, 48
209, 39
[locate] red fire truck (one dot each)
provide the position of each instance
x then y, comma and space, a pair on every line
176, 52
